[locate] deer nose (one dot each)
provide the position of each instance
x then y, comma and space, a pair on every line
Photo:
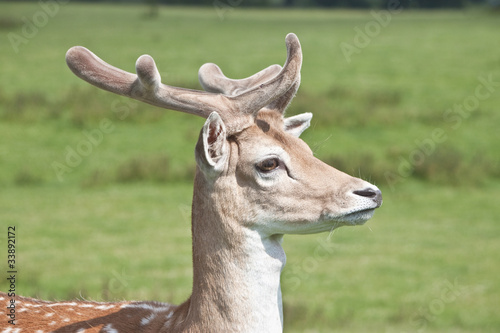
374, 194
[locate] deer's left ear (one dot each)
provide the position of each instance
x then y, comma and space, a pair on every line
212, 147
297, 124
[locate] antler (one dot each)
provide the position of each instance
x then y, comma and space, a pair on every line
212, 79
288, 81
146, 86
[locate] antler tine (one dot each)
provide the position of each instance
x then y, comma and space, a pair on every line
281, 103
146, 86
213, 80
251, 101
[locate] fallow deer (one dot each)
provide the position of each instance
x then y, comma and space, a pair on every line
255, 181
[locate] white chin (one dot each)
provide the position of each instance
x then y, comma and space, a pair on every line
358, 218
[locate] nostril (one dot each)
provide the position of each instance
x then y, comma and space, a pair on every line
374, 194
366, 193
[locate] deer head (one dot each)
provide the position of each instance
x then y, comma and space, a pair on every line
247, 150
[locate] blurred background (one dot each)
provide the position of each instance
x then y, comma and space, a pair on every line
405, 94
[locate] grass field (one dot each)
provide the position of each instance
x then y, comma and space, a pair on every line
414, 108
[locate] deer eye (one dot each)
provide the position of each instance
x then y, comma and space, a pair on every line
268, 165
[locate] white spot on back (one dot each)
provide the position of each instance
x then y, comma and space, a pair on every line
61, 304
145, 306
86, 305
9, 330
147, 320
33, 305
109, 329
104, 307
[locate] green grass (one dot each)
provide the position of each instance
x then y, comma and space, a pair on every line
116, 225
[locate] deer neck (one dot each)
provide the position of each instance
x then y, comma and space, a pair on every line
236, 270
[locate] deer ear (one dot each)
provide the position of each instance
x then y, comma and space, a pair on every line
212, 147
297, 124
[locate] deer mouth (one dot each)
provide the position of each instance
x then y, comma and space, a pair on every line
359, 217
